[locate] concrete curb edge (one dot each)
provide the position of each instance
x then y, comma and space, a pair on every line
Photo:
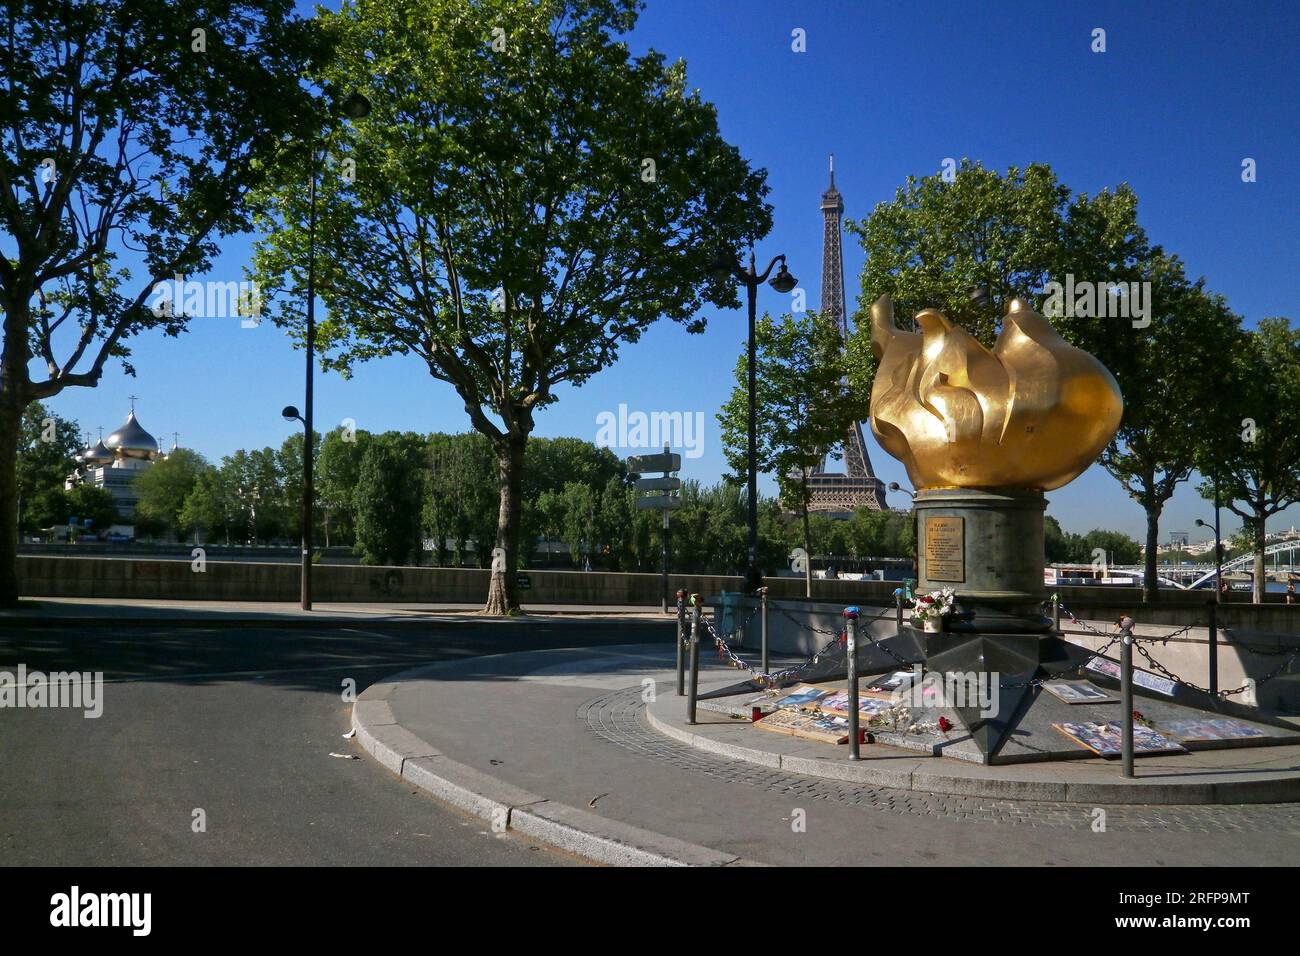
1274, 790
506, 806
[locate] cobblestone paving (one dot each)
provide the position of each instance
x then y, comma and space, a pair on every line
616, 717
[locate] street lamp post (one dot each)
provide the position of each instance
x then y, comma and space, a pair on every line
916, 537
1218, 548
353, 106
782, 282
1213, 643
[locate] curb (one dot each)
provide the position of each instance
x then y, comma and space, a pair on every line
1276, 790
507, 807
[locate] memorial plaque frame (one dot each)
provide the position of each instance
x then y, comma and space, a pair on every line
945, 548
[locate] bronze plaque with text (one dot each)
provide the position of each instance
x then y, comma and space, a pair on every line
945, 549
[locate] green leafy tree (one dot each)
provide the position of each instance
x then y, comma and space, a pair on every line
581, 505
880, 534
256, 487
211, 505
1163, 363
463, 502
288, 467
1118, 547
1254, 450
1012, 235
1061, 546
615, 521
388, 499
161, 489
803, 408
1161, 369
120, 138
94, 508
521, 209
46, 447
337, 470
939, 240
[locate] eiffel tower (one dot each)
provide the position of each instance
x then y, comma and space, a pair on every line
858, 486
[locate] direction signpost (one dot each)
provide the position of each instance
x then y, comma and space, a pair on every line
666, 501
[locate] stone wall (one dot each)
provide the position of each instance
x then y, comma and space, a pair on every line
165, 579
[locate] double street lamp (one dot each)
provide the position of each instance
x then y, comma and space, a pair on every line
353, 106
782, 282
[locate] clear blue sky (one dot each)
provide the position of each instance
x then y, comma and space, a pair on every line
1184, 92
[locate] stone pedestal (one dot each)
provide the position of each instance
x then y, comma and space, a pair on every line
988, 547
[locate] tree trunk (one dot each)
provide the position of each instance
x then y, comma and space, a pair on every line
1260, 544
1150, 586
503, 595
807, 547
11, 417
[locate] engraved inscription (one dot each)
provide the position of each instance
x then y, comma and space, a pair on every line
945, 549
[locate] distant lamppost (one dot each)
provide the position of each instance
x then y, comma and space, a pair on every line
353, 106
782, 282
1218, 552
895, 486
916, 537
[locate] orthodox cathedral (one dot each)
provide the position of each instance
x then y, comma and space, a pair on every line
114, 463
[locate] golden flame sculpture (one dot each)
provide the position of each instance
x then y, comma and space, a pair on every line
1030, 415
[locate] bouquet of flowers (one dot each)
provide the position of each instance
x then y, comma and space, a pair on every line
933, 606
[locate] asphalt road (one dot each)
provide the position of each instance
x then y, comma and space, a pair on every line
240, 724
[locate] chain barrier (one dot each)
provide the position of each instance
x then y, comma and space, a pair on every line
1082, 623
816, 630
792, 673
764, 680
1160, 668
1291, 653
686, 634
1092, 655
839, 637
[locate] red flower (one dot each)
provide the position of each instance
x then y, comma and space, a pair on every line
927, 599
945, 724
1137, 715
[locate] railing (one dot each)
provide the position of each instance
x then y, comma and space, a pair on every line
689, 638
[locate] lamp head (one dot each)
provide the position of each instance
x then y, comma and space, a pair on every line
355, 106
290, 413
783, 282
1201, 524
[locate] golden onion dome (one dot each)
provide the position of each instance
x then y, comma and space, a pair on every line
132, 441
95, 455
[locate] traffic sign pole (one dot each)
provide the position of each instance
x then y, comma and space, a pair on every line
665, 502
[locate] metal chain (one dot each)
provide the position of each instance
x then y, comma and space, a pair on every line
1083, 624
791, 673
765, 680
816, 630
1157, 666
1039, 681
838, 637
686, 631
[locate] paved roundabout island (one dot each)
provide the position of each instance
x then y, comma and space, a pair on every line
589, 750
